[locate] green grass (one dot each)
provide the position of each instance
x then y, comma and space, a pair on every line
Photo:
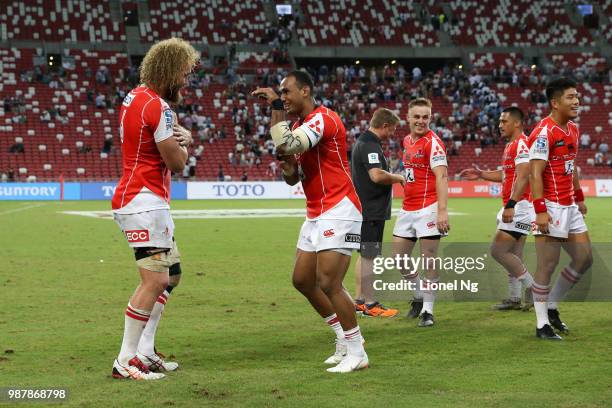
245, 337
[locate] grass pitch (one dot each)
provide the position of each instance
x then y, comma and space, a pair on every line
245, 337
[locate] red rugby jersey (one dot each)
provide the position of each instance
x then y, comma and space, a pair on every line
549, 142
420, 157
144, 120
516, 152
324, 170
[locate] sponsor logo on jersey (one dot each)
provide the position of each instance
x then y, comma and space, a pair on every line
316, 126
137, 235
329, 233
128, 99
560, 143
373, 158
356, 238
431, 224
522, 226
168, 118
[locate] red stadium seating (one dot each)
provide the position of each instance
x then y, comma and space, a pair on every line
369, 22
61, 21
515, 23
210, 21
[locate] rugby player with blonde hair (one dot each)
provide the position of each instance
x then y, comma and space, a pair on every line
153, 145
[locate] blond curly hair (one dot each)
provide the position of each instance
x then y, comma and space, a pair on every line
166, 61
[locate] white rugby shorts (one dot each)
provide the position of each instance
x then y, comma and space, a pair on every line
566, 219
418, 223
523, 221
153, 228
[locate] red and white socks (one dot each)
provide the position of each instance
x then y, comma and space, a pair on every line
567, 278
354, 341
146, 345
334, 324
540, 303
135, 321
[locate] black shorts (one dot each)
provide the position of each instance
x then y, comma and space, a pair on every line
371, 238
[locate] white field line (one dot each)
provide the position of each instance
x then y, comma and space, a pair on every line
229, 213
27, 207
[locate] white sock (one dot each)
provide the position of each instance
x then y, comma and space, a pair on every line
514, 287
135, 321
416, 284
567, 278
429, 296
334, 323
146, 345
525, 279
540, 303
354, 341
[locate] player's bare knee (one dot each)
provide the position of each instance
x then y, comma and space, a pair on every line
585, 262
329, 286
302, 284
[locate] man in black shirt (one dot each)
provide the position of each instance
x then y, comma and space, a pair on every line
373, 183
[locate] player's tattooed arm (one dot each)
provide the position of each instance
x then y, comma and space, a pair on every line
287, 141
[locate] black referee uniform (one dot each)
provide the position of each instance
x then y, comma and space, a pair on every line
375, 198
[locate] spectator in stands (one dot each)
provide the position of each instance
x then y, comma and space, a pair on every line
192, 163
245, 176
198, 151
272, 169
3, 177
45, 116
231, 157
84, 149
102, 76
108, 144
603, 147
100, 101
599, 159
585, 140
220, 175
11, 174
63, 119
17, 147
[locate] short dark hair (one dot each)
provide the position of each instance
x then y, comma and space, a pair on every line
515, 112
302, 79
556, 87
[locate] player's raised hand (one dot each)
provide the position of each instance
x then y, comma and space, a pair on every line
473, 173
508, 215
265, 93
442, 222
542, 221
